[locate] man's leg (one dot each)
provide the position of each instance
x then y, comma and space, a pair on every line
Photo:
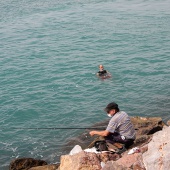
117, 138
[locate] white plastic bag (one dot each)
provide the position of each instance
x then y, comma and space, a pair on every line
75, 150
102, 164
93, 149
134, 150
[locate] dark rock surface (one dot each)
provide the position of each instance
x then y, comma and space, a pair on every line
25, 163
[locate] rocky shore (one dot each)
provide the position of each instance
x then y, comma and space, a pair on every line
150, 151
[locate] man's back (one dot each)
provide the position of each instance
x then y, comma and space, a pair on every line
121, 123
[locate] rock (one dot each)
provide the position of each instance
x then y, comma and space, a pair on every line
158, 156
145, 127
111, 165
105, 157
144, 148
168, 123
46, 167
25, 163
128, 161
86, 160
141, 139
81, 160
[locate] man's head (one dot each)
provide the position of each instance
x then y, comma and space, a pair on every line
112, 108
101, 67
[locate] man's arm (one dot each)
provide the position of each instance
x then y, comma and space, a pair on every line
100, 133
97, 74
108, 73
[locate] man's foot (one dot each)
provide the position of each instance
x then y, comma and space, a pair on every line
116, 147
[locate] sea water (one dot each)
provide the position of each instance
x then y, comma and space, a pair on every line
49, 54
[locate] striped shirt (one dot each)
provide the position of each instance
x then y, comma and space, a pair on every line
121, 124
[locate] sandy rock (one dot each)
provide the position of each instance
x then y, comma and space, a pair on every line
138, 164
128, 160
158, 156
105, 157
143, 148
81, 160
112, 165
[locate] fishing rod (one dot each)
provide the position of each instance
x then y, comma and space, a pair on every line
64, 128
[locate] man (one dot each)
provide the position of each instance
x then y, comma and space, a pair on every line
120, 129
101, 71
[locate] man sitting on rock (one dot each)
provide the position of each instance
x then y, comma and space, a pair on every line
120, 129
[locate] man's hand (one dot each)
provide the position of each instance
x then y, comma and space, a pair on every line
92, 133
100, 133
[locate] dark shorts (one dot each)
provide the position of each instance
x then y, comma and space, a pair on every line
117, 138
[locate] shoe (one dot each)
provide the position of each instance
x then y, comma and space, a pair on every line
112, 148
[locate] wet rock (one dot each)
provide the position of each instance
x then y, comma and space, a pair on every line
25, 163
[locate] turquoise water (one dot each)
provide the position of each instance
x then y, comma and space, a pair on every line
49, 54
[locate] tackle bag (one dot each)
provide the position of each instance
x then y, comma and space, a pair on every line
101, 146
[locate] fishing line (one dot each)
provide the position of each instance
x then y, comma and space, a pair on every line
60, 128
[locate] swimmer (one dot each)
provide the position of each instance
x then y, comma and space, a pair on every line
102, 72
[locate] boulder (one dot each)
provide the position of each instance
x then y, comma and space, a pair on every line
106, 156
86, 160
112, 165
131, 161
25, 163
82, 160
145, 127
158, 156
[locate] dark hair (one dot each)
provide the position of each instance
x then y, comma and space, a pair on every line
117, 110
111, 106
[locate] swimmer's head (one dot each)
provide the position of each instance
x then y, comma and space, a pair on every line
101, 67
